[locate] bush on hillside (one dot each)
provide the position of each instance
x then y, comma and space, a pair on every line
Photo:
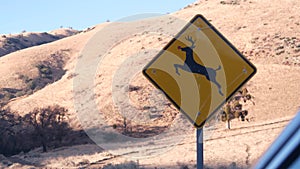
49, 124
44, 127
234, 107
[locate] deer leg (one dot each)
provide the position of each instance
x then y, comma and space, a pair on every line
219, 87
176, 68
183, 67
216, 83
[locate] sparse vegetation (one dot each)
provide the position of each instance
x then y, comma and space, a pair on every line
234, 108
230, 2
49, 124
72, 75
12, 43
125, 125
49, 71
45, 71
6, 94
13, 132
126, 165
132, 88
182, 166
47, 127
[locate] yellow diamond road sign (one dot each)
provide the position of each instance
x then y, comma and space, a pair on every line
199, 70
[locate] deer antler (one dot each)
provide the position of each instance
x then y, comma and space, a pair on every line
190, 39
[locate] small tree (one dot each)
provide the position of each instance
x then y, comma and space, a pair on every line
234, 107
48, 123
12, 133
125, 125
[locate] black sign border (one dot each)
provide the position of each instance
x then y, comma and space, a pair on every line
172, 41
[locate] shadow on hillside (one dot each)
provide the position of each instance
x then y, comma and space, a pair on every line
39, 136
135, 165
18, 42
193, 166
49, 71
43, 127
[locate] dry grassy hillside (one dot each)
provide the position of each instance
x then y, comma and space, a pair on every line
266, 32
14, 42
21, 73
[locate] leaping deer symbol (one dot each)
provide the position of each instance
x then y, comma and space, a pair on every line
190, 65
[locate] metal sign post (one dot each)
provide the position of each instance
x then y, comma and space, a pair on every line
200, 164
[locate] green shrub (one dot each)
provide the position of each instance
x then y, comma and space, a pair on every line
20, 93
31, 84
45, 70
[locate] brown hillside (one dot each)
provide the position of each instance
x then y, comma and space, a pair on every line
11, 43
